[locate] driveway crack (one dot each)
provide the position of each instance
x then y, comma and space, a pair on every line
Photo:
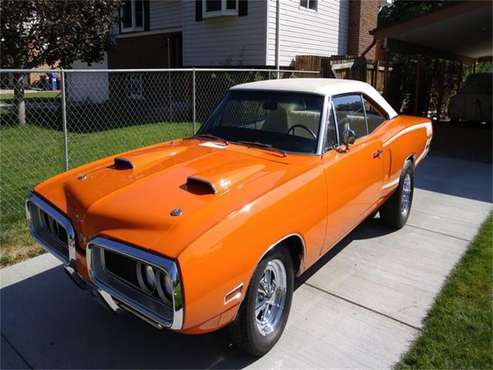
364, 307
17, 352
438, 232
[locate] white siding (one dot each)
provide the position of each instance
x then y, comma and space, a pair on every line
236, 41
164, 14
307, 32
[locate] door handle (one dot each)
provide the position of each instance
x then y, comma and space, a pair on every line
377, 153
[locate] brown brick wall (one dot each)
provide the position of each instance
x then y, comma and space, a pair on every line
362, 19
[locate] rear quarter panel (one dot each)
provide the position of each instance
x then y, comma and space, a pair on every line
402, 138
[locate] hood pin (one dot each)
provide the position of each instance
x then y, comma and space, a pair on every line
176, 212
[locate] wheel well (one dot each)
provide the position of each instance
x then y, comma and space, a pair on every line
411, 158
296, 249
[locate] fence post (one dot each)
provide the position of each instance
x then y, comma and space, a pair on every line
64, 119
194, 109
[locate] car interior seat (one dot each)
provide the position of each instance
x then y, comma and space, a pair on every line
276, 120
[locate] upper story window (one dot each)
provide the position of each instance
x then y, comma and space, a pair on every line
217, 8
309, 4
132, 15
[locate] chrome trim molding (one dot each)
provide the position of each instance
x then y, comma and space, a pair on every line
99, 244
322, 127
61, 219
301, 267
333, 110
392, 183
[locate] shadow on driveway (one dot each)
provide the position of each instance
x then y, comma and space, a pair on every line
53, 324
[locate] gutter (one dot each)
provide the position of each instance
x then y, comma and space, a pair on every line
278, 18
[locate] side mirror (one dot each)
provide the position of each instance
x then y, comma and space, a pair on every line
348, 135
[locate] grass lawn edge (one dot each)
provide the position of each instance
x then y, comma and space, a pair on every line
458, 330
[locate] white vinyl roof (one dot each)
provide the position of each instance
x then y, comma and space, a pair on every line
320, 86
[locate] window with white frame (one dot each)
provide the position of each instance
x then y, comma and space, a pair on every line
309, 4
132, 15
216, 8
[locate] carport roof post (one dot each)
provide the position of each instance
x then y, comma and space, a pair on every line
461, 31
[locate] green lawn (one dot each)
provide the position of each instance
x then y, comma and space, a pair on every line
31, 154
31, 95
458, 331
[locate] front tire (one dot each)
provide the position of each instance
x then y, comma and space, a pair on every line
264, 311
396, 209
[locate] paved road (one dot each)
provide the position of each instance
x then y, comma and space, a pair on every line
359, 307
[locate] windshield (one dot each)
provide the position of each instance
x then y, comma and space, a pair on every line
282, 120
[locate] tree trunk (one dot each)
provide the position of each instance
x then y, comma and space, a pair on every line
20, 101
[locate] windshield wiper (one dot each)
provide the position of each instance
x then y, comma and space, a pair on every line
261, 145
210, 136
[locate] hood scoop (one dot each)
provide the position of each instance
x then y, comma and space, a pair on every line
200, 186
222, 178
121, 163
145, 160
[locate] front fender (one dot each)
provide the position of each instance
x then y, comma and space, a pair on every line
226, 255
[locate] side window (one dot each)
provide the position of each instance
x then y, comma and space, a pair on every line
350, 111
330, 135
374, 115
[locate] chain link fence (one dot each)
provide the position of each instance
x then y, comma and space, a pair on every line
70, 117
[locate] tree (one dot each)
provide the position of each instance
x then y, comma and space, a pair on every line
54, 33
402, 10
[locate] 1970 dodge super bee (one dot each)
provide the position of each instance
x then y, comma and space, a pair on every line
211, 230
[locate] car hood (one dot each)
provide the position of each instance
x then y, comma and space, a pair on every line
163, 197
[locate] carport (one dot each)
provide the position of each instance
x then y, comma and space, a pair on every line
460, 33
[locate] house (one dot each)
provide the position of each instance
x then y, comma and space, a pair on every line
222, 33
246, 33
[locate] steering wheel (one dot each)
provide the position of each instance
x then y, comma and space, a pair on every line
304, 128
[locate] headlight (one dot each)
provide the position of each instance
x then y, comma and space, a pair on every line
146, 276
155, 282
165, 287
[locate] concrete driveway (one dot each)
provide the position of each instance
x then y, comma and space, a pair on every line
359, 307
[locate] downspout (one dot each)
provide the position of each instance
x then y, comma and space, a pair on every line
278, 18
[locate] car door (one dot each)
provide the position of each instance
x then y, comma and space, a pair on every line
354, 175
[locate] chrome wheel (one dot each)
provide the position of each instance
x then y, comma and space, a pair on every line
271, 297
406, 195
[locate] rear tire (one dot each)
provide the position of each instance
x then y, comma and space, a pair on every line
256, 331
396, 209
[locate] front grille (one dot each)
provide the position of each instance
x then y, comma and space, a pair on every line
50, 228
121, 266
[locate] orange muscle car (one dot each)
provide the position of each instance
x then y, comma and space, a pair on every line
211, 230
